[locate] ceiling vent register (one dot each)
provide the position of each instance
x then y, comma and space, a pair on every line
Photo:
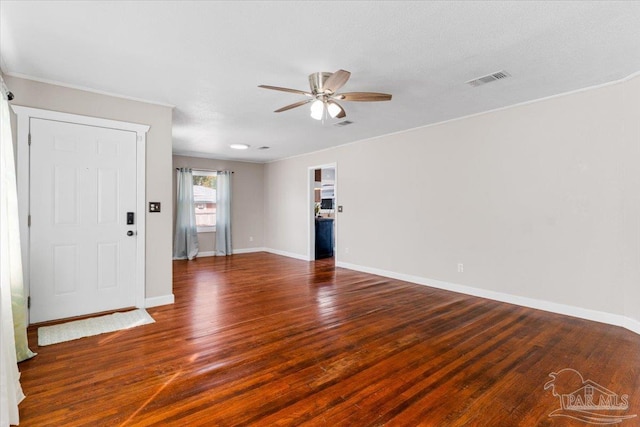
499, 75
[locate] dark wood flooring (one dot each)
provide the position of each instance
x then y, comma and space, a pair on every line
259, 339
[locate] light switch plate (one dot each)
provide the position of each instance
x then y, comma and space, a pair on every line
154, 206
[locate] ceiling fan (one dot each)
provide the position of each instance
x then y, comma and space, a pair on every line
323, 95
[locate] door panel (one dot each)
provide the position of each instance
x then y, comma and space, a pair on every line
82, 184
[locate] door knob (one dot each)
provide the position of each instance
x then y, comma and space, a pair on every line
130, 233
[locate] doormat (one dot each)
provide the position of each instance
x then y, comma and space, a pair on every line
76, 329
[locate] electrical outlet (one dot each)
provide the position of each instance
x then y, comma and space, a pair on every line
460, 267
154, 206
346, 250
251, 238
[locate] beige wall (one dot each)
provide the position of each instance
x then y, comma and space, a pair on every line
158, 162
247, 202
539, 201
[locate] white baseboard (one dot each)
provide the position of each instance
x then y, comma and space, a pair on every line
157, 301
287, 254
206, 254
248, 250
235, 251
568, 310
631, 324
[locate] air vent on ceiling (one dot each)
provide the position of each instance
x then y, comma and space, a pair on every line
498, 75
264, 147
344, 123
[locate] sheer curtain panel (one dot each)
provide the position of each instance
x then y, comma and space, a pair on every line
13, 333
223, 214
185, 243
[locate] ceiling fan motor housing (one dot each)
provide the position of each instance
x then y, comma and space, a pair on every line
316, 82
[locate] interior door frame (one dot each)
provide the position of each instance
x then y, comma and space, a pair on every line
24, 116
311, 215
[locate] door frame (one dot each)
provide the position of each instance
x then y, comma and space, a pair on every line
311, 215
23, 174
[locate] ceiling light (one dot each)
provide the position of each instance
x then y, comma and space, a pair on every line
317, 109
333, 109
239, 146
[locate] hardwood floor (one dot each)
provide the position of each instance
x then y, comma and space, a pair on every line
259, 339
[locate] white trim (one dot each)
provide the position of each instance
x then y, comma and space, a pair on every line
39, 113
157, 301
235, 252
630, 324
567, 310
248, 250
311, 202
141, 229
287, 254
24, 115
87, 89
206, 254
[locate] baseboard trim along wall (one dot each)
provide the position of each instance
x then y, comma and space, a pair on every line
287, 254
157, 301
205, 254
235, 251
568, 310
248, 250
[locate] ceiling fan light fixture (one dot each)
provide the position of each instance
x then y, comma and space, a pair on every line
317, 109
323, 95
333, 109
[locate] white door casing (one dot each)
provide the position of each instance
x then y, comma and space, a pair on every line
84, 175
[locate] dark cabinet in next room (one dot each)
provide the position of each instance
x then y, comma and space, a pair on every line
324, 238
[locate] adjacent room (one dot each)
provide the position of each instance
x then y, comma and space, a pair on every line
356, 213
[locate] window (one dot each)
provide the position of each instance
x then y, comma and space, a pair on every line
204, 200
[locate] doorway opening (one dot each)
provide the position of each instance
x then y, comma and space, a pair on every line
322, 212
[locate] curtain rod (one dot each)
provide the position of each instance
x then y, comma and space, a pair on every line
208, 170
5, 90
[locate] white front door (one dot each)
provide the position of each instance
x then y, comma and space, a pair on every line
82, 191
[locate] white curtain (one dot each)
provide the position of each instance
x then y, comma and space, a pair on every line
10, 276
223, 214
185, 243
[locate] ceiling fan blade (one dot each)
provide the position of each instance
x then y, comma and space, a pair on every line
284, 89
336, 81
363, 96
341, 113
289, 107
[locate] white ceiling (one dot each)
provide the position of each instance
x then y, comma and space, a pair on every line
207, 59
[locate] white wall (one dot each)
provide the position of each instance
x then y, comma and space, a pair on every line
247, 202
158, 162
539, 201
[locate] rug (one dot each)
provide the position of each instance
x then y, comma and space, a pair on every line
76, 329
